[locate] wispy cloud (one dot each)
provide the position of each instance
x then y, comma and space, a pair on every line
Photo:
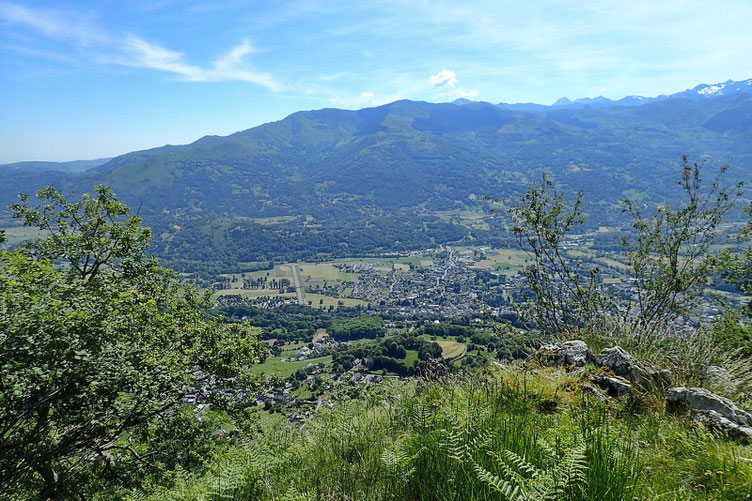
134, 51
54, 24
229, 67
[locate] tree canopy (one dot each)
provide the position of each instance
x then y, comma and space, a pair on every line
98, 342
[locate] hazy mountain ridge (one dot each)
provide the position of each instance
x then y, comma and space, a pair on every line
74, 166
702, 91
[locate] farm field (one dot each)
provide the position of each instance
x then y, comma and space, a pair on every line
322, 301
276, 366
507, 261
323, 271
451, 349
254, 293
290, 349
611, 262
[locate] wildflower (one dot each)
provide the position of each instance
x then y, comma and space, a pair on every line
648, 468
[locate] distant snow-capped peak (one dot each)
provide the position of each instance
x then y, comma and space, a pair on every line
702, 91
723, 89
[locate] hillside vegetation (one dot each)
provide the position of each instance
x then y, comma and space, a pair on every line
501, 433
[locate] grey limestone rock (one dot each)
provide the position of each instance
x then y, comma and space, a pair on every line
568, 353
625, 365
676, 399
435, 370
702, 399
716, 421
717, 411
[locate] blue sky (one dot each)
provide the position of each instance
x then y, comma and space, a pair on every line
83, 79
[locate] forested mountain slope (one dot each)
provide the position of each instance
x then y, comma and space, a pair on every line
369, 177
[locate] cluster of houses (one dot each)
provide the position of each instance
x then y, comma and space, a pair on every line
319, 348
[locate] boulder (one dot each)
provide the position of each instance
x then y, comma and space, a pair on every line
716, 421
676, 399
625, 365
568, 353
702, 399
717, 411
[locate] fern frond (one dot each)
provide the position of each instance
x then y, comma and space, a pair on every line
519, 464
504, 487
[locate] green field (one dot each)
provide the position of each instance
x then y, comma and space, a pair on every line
451, 349
322, 301
507, 261
275, 366
410, 357
291, 349
611, 262
254, 293
308, 272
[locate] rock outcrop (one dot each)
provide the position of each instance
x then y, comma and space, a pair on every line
716, 411
641, 374
574, 353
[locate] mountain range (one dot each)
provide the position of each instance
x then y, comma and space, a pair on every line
702, 91
339, 182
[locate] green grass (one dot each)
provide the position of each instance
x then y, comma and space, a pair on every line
290, 349
272, 366
451, 349
495, 434
254, 293
410, 357
504, 259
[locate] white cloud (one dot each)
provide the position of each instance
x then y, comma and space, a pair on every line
444, 78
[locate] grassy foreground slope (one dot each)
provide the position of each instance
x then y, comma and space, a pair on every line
501, 433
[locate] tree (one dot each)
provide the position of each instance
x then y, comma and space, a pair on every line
566, 293
733, 330
668, 254
736, 268
97, 344
669, 257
